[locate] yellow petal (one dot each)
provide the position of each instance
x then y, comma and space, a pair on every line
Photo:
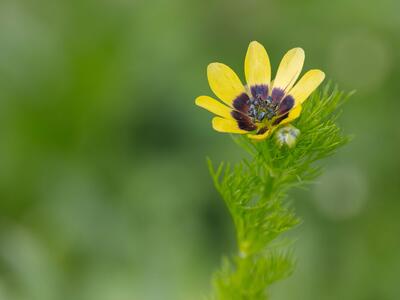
214, 106
289, 69
293, 114
224, 125
224, 82
261, 137
306, 85
256, 65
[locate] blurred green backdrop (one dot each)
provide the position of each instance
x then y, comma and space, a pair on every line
104, 190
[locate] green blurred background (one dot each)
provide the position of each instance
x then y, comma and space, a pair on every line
104, 190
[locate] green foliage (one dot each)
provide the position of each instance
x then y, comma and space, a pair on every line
255, 192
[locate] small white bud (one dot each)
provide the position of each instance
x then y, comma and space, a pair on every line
287, 136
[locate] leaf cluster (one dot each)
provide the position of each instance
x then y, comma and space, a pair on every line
255, 192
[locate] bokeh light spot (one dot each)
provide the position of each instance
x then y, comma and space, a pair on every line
341, 193
359, 61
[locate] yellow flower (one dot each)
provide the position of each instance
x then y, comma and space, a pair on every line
262, 105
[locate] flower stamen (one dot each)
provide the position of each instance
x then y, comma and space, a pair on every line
260, 109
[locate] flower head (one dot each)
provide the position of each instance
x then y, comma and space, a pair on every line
262, 105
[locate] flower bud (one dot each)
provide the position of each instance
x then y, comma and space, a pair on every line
287, 136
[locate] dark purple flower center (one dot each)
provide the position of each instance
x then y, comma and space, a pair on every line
259, 108
268, 106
